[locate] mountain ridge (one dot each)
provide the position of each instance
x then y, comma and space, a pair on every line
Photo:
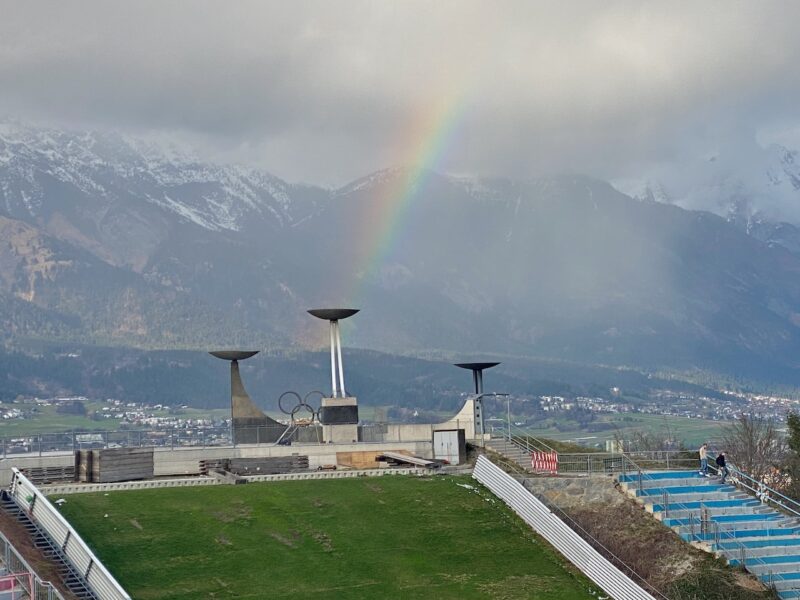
564, 267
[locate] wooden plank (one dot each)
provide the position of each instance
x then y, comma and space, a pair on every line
363, 459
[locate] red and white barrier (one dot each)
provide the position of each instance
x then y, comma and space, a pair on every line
544, 462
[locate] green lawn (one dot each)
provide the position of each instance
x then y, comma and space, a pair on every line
388, 537
691, 432
49, 420
54, 424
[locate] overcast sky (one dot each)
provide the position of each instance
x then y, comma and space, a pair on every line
328, 91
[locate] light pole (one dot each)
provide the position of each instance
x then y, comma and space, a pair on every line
508, 415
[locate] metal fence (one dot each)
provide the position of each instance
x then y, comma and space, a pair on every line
765, 493
56, 527
520, 438
134, 438
35, 588
600, 463
703, 529
613, 581
196, 437
606, 463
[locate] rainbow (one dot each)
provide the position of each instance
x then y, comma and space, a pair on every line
426, 142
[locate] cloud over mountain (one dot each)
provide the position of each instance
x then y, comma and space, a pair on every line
324, 92
107, 241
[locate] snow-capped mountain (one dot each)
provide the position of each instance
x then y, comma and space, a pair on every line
38, 166
760, 186
759, 194
114, 240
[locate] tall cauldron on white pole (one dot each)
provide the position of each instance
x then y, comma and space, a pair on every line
334, 315
339, 413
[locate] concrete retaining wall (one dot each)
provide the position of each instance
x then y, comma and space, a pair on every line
567, 492
85, 488
179, 461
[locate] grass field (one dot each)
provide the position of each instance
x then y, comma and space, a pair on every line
48, 420
691, 432
389, 537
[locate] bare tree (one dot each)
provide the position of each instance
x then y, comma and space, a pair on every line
754, 445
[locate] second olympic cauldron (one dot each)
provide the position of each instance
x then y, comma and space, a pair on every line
249, 425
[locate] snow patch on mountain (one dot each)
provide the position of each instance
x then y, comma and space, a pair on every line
761, 183
374, 180
109, 167
478, 188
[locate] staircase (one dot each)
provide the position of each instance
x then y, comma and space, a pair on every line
510, 451
726, 521
517, 449
71, 578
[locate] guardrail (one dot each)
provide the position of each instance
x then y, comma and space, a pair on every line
195, 437
700, 525
54, 525
36, 587
622, 462
760, 490
577, 550
520, 438
606, 463
591, 463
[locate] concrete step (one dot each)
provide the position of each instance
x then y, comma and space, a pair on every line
783, 581
687, 501
660, 483
767, 515
759, 547
682, 490
742, 535
793, 556
761, 568
735, 506
745, 529
719, 516
656, 475
502, 448
511, 450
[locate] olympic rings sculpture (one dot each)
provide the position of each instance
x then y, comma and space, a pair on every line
302, 404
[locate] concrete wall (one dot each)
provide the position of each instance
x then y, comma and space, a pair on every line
416, 439
186, 461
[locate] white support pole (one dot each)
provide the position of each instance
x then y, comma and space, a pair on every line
339, 351
333, 360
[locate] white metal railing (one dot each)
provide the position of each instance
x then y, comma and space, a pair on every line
521, 438
83, 560
577, 550
14, 563
760, 490
637, 463
702, 528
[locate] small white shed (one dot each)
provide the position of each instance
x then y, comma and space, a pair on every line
450, 445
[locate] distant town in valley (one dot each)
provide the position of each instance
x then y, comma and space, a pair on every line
679, 418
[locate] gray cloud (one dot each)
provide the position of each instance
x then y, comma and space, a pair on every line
327, 91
